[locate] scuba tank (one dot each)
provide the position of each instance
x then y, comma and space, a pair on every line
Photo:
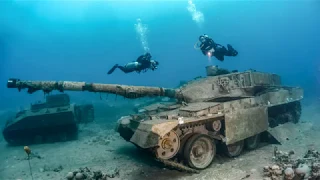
132, 66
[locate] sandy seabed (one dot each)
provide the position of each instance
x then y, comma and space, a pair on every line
100, 148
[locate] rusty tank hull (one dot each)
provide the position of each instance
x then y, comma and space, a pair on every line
228, 112
247, 108
51, 121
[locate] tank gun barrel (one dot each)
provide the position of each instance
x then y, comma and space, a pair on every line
131, 92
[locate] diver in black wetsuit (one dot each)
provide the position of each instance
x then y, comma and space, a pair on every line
143, 63
210, 48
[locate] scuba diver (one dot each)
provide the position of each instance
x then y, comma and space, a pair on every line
143, 63
210, 48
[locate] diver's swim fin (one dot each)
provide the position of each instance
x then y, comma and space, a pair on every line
112, 69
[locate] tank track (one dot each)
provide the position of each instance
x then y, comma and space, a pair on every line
178, 166
290, 112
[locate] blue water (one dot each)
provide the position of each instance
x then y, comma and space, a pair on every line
82, 40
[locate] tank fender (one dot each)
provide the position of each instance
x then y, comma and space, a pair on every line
148, 132
243, 123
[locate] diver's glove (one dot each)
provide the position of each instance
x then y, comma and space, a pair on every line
234, 53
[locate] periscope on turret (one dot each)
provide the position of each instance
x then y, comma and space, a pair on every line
232, 110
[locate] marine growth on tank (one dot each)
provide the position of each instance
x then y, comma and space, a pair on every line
181, 90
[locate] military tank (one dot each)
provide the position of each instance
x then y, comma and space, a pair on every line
50, 121
229, 111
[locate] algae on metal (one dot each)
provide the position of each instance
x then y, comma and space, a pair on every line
229, 111
50, 121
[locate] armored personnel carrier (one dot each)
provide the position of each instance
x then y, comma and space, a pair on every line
50, 121
229, 111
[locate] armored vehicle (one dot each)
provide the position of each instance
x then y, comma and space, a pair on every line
229, 111
50, 121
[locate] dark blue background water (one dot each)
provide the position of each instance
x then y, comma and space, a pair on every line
81, 41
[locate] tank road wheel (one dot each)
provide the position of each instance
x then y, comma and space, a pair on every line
168, 146
199, 151
214, 126
252, 142
234, 150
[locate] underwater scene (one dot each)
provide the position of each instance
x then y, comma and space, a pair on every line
163, 90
